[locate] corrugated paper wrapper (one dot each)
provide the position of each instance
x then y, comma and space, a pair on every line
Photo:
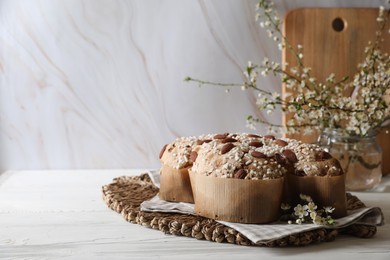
175, 184
236, 200
324, 190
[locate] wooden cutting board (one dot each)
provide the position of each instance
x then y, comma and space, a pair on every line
333, 41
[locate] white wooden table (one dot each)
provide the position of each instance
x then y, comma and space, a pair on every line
61, 214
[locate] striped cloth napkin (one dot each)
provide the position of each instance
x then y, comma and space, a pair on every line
263, 233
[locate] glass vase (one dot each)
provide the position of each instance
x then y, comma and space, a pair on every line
360, 158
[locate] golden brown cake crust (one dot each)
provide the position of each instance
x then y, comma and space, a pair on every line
179, 153
250, 156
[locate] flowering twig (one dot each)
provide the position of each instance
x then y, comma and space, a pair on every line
314, 105
307, 212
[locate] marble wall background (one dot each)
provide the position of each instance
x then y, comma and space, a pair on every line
99, 83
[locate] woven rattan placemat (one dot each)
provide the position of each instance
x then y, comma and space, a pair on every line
125, 195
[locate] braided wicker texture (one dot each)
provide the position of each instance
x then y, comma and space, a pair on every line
125, 195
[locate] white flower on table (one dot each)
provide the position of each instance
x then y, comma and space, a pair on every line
300, 211
328, 210
311, 207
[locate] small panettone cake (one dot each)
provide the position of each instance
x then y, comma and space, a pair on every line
238, 178
176, 158
317, 174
